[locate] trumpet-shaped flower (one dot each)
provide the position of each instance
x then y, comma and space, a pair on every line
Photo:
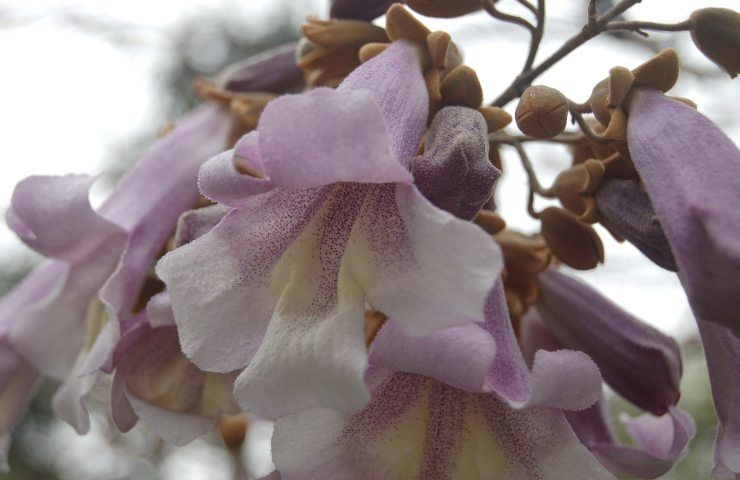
689, 169
637, 361
328, 221
457, 404
659, 441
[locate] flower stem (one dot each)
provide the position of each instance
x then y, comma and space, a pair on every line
593, 28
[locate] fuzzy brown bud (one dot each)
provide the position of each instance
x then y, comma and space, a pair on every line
490, 221
574, 187
399, 23
462, 87
573, 242
542, 112
445, 8
716, 33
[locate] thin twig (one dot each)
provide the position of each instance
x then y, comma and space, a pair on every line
537, 35
528, 6
534, 184
496, 13
638, 27
589, 31
566, 138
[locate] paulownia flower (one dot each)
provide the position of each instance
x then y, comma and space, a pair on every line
637, 361
689, 169
327, 220
458, 404
106, 252
722, 350
153, 379
155, 382
359, 9
659, 441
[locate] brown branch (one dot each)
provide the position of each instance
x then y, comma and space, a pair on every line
498, 14
638, 27
537, 34
528, 6
589, 31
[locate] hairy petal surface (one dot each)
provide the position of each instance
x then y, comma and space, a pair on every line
563, 379
454, 172
690, 170
417, 428
640, 363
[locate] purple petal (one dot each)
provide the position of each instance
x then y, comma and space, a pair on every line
690, 170
174, 427
196, 223
166, 391
458, 356
722, 350
415, 427
659, 441
69, 399
18, 381
53, 216
395, 81
304, 363
274, 70
151, 197
418, 252
220, 180
327, 136
563, 379
625, 208
359, 9
640, 363
225, 276
454, 172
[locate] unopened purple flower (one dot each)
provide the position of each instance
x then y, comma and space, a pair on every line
625, 209
328, 221
639, 362
496, 419
690, 170
659, 441
274, 70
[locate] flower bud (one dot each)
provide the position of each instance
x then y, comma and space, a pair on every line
490, 221
462, 87
574, 187
625, 209
399, 23
445, 8
274, 71
542, 112
526, 253
716, 33
573, 242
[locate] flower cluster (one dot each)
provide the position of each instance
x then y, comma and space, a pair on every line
320, 247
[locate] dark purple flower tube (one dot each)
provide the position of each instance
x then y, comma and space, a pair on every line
359, 9
625, 208
639, 362
274, 70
